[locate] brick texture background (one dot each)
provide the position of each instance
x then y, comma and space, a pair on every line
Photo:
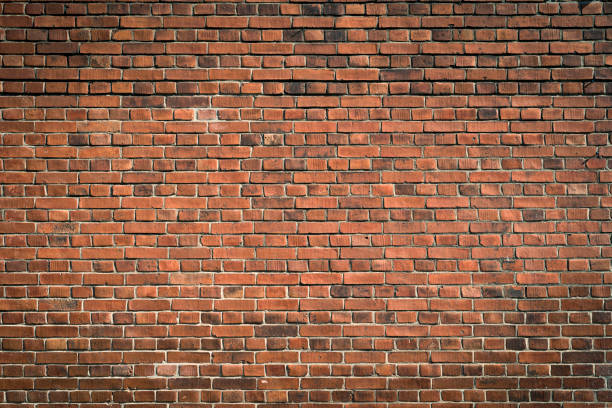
243, 204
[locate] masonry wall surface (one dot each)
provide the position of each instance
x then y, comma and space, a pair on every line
306, 204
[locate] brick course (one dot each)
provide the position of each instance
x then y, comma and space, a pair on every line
306, 204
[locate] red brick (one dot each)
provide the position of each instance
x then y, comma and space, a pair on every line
404, 200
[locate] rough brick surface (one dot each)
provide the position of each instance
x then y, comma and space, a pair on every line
303, 204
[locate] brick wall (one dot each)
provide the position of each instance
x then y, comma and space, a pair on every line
236, 204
